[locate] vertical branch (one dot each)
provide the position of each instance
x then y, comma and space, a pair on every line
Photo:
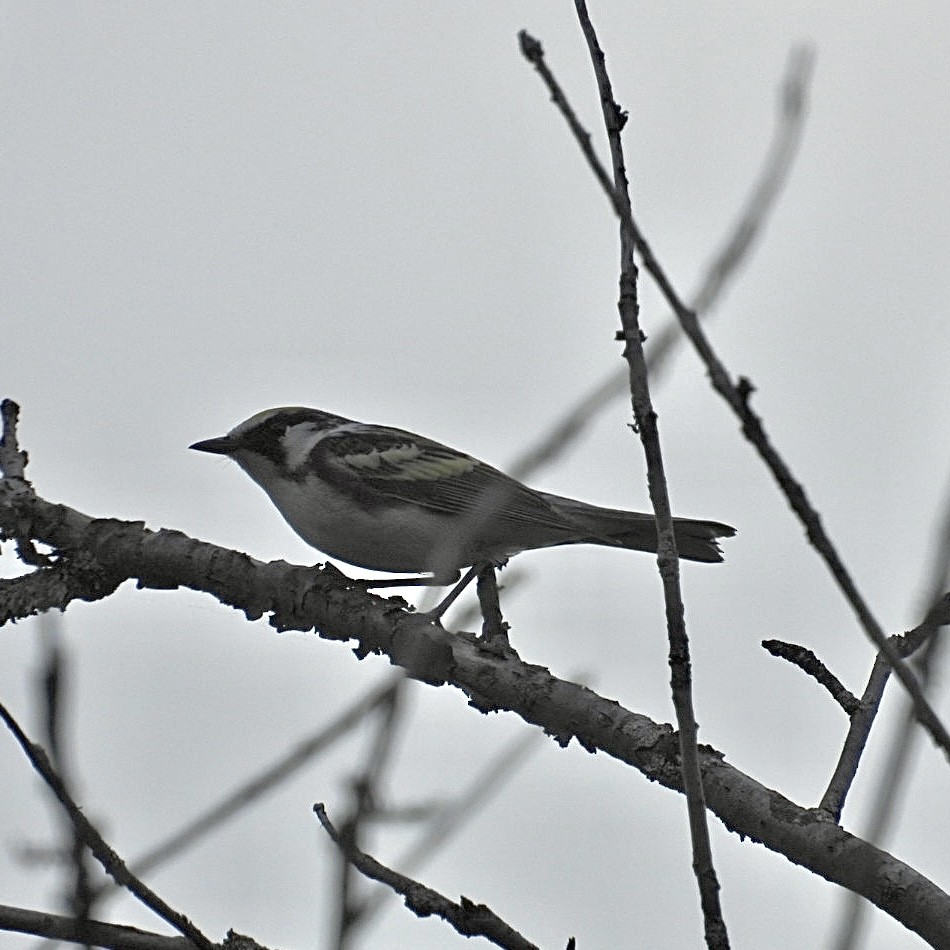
52, 685
365, 794
667, 559
895, 771
737, 396
862, 719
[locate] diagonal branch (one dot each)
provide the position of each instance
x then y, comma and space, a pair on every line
809, 664
737, 396
451, 815
717, 274
832, 802
895, 772
468, 918
110, 861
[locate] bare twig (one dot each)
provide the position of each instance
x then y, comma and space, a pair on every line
895, 771
792, 99
832, 802
808, 663
110, 861
737, 396
467, 918
667, 560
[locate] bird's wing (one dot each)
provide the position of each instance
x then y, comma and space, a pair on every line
378, 465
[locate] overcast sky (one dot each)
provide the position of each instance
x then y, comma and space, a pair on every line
372, 208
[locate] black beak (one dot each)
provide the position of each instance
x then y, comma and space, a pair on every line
221, 446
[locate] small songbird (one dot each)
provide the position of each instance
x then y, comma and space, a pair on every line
390, 500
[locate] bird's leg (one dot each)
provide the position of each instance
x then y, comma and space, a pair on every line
443, 605
494, 629
430, 580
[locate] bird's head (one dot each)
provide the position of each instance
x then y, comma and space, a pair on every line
274, 443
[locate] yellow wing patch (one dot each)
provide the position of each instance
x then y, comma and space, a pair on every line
410, 462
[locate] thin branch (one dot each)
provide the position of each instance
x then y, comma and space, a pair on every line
832, 802
94, 932
365, 789
52, 685
809, 664
469, 919
895, 771
110, 861
896, 766
667, 560
732, 252
737, 396
261, 784
792, 99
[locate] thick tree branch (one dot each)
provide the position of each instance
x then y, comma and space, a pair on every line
304, 598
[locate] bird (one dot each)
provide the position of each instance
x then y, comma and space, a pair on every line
389, 500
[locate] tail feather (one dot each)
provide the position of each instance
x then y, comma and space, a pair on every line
695, 540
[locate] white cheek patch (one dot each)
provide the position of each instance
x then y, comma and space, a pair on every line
298, 442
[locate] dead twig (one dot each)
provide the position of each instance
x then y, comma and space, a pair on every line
468, 918
110, 861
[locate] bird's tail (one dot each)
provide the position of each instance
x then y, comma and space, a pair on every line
695, 540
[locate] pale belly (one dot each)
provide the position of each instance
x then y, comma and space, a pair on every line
400, 540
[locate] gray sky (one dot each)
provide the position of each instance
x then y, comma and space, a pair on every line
211, 209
